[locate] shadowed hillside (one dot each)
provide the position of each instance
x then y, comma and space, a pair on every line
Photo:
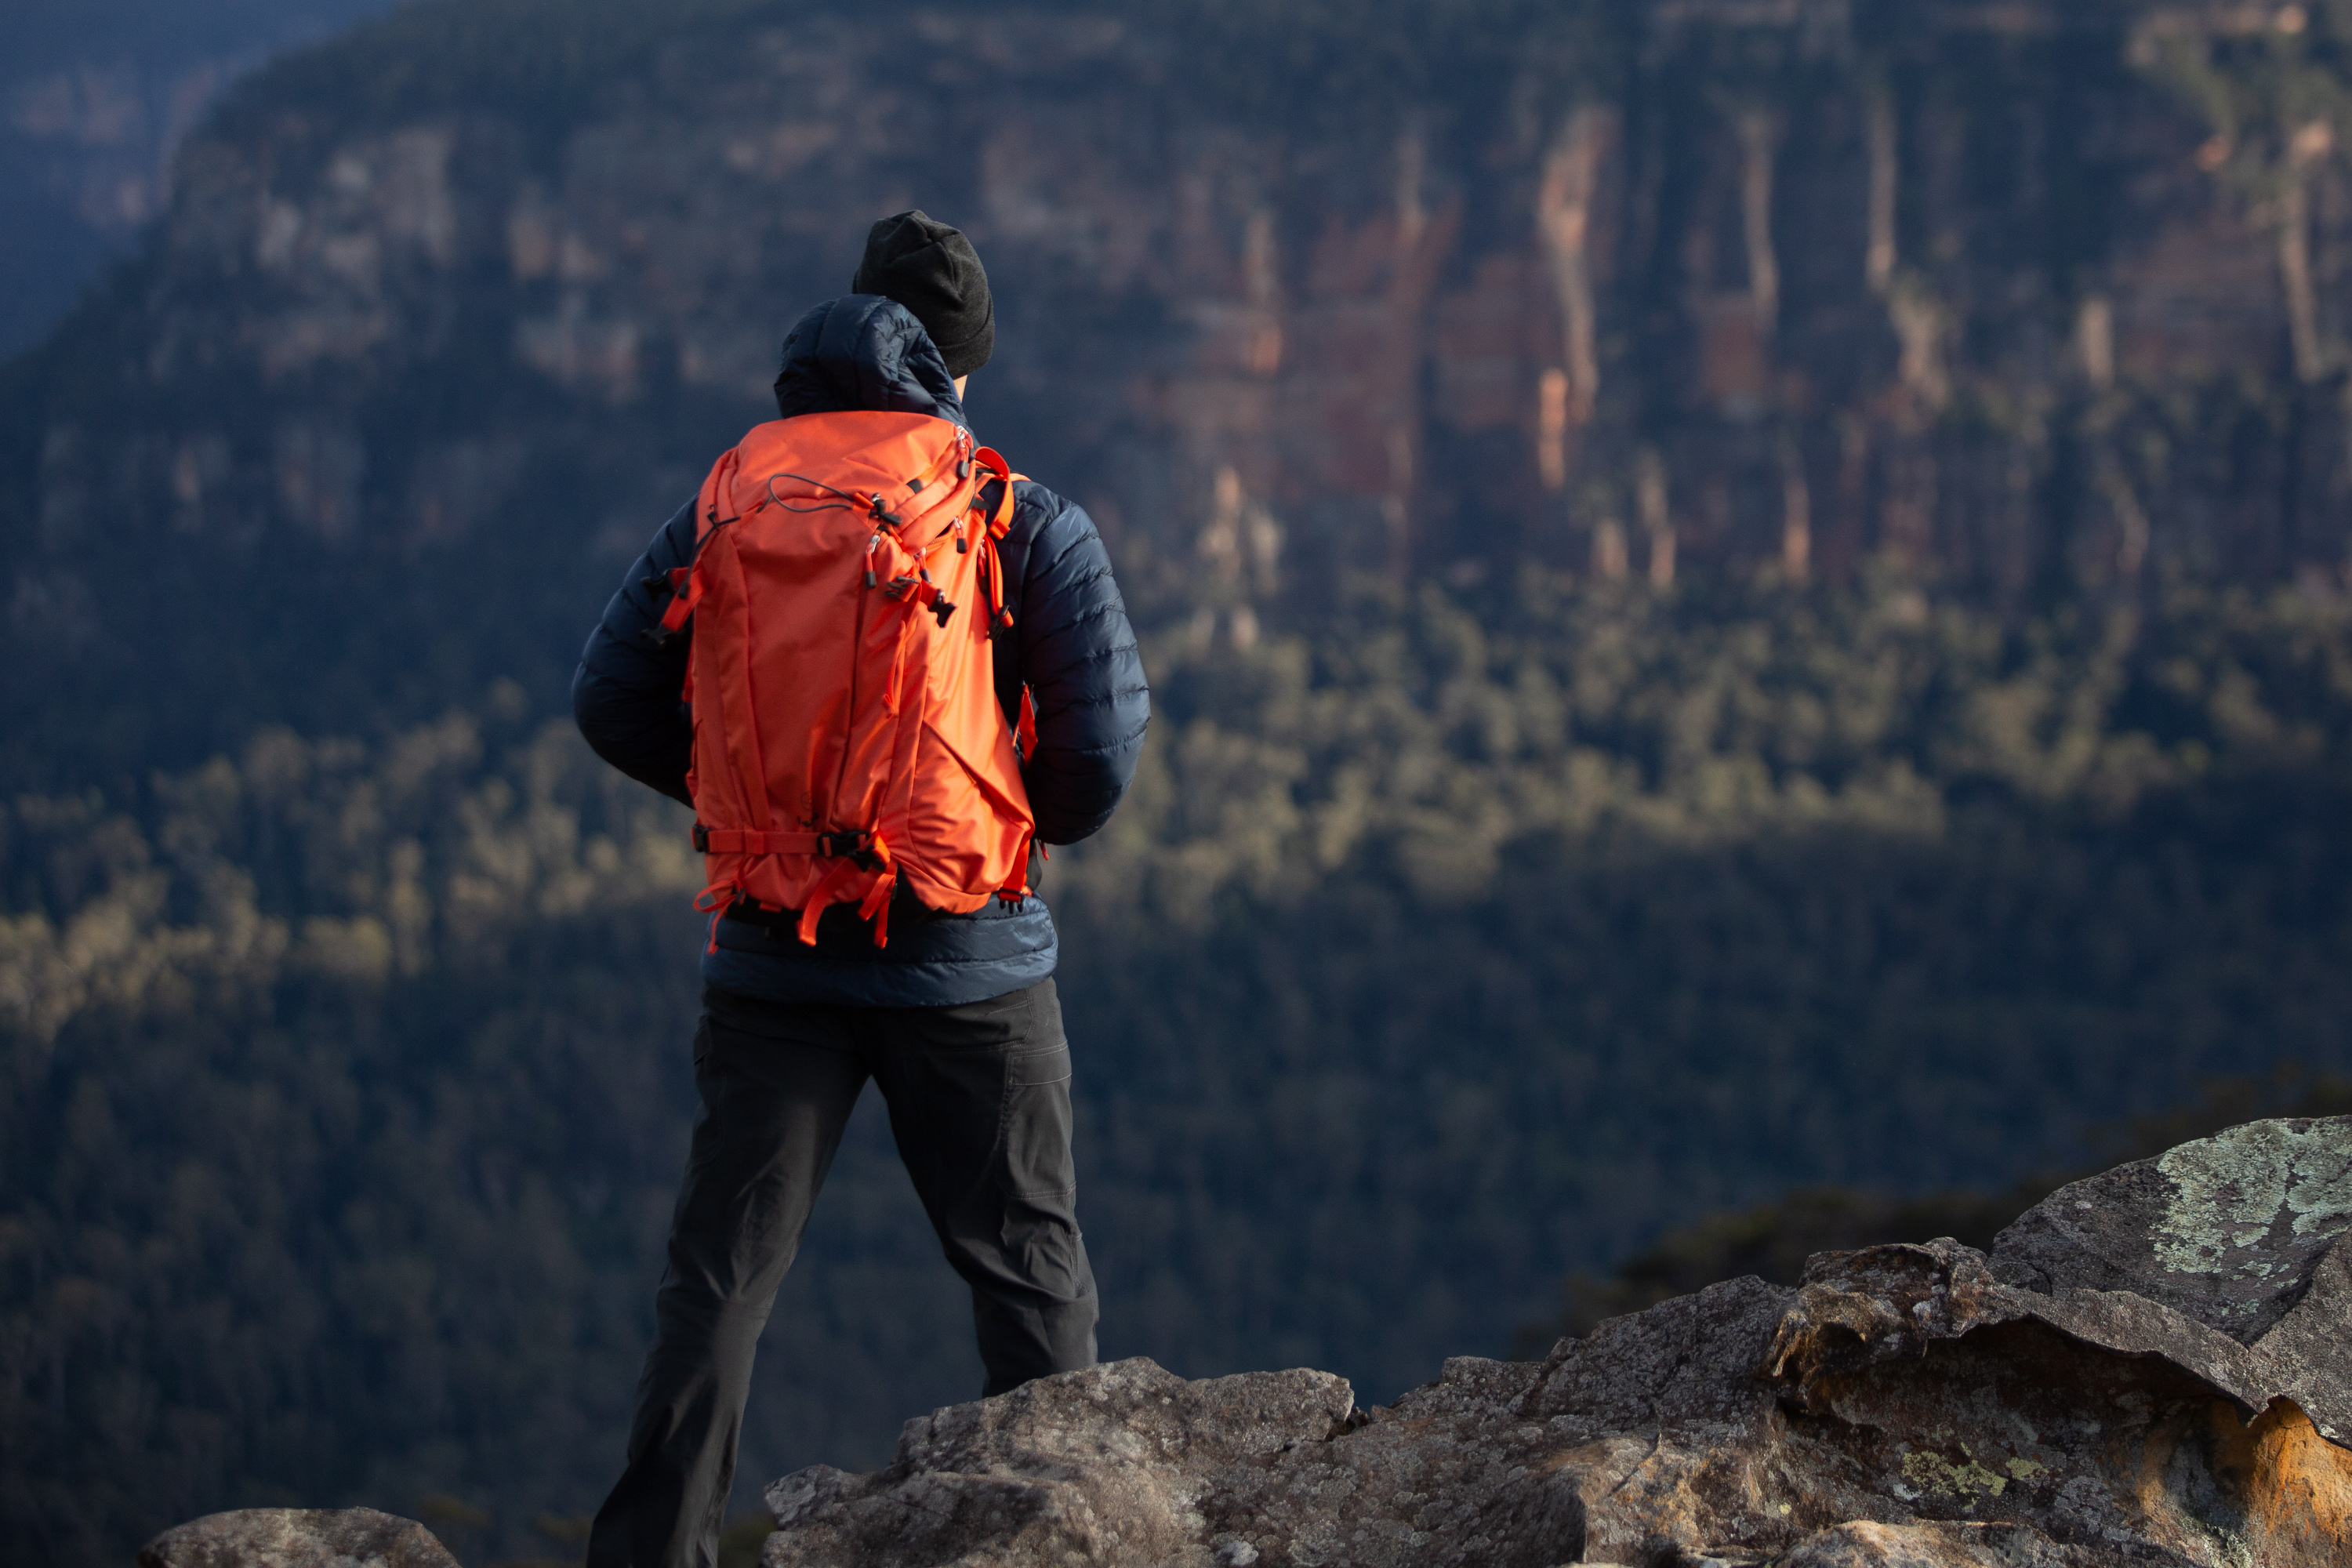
94, 99
1429, 965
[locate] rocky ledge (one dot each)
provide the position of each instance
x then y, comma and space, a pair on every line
2152, 1367
298, 1538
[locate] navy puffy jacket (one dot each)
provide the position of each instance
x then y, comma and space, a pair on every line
1070, 642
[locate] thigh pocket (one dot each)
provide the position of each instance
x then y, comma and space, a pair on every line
1035, 1129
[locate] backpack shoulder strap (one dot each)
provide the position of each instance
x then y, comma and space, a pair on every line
718, 490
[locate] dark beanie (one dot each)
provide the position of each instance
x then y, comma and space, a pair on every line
932, 269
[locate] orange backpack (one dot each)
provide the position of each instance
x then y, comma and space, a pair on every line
847, 734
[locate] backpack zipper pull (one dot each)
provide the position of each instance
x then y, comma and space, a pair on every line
871, 545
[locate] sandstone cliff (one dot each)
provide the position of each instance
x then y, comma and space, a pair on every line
1755, 283
2152, 1367
2025, 298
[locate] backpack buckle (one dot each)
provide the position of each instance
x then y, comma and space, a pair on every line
701, 839
836, 846
849, 847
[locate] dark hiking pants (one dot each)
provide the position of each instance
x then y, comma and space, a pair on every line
980, 1104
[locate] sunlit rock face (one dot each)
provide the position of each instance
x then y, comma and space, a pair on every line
297, 1538
2028, 299
1908, 1406
2147, 1369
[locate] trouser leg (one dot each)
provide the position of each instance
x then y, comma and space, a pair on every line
979, 1105
774, 1104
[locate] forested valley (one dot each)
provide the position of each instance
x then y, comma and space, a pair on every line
1433, 963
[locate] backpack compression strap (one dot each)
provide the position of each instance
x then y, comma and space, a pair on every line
753, 841
1000, 523
839, 887
858, 854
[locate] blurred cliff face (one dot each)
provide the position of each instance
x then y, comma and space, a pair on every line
2027, 300
95, 100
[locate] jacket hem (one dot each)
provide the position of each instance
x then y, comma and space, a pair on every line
809, 981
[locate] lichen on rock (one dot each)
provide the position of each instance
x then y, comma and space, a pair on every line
2078, 1399
2231, 1191
2228, 1229
2150, 1371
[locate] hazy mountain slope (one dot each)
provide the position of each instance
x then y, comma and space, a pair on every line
445, 316
94, 99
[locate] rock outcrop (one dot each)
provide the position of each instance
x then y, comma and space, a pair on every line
297, 1538
2149, 1369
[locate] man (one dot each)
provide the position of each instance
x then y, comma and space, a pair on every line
955, 1018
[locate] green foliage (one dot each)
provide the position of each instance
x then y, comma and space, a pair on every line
318, 860
1443, 737
1460, 948
738, 1545
2272, 86
1451, 944
344, 1095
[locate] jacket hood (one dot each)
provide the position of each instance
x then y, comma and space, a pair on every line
863, 350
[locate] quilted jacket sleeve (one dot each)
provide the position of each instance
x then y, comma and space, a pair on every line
625, 695
1071, 644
